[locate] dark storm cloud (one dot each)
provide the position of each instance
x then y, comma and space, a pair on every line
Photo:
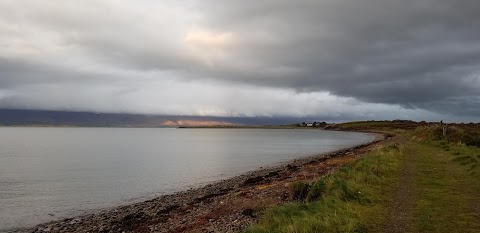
403, 52
19, 72
420, 55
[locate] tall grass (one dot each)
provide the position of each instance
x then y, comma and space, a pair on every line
469, 136
337, 202
462, 143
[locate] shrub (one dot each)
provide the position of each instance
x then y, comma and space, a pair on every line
300, 190
318, 189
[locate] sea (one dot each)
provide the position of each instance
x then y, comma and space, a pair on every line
49, 173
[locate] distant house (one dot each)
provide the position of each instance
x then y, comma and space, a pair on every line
309, 124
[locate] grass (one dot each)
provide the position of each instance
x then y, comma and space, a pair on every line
444, 179
466, 156
390, 126
338, 202
463, 144
445, 194
447, 179
469, 136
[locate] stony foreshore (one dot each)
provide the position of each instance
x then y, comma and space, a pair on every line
225, 206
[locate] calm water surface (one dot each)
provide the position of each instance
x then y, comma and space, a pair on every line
50, 173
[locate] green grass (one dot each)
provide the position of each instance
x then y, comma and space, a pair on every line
446, 195
339, 202
444, 179
466, 156
469, 136
364, 124
462, 144
390, 126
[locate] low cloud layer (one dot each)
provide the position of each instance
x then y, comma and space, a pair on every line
370, 59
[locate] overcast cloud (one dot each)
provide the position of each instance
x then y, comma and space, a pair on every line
349, 59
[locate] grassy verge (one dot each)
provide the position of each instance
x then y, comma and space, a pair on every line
340, 202
384, 126
430, 183
445, 194
466, 156
462, 146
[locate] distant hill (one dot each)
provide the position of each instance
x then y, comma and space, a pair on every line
10, 117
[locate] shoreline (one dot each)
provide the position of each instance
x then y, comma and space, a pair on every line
203, 208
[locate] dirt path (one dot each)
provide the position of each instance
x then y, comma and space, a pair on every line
399, 217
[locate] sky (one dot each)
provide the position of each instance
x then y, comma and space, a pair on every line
335, 59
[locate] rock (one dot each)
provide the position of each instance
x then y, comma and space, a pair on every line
253, 180
292, 167
272, 174
248, 212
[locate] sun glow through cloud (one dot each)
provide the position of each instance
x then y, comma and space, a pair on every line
207, 38
208, 46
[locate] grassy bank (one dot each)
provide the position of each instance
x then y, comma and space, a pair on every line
420, 182
463, 145
338, 202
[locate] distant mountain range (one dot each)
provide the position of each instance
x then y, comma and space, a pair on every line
10, 117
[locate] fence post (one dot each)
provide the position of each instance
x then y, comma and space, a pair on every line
445, 129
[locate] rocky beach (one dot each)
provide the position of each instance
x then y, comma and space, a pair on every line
226, 206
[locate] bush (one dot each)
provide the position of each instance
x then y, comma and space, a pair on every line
318, 189
472, 138
300, 190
